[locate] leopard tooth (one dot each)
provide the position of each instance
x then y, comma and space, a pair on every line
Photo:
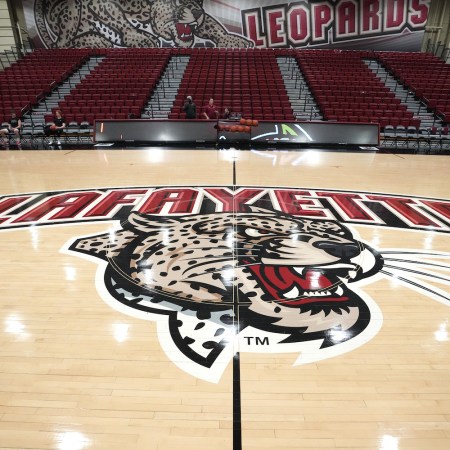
352, 274
300, 270
293, 293
339, 291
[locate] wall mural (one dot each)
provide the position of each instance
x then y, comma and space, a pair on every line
136, 23
365, 24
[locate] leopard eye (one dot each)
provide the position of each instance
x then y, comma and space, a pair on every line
254, 232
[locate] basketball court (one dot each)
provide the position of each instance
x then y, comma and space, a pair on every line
80, 368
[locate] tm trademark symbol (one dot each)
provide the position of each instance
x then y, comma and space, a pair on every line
257, 340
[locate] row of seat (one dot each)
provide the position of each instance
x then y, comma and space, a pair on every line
355, 101
368, 112
329, 74
27, 81
426, 75
110, 83
246, 82
422, 139
246, 79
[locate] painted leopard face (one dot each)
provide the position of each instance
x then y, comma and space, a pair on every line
190, 11
295, 273
189, 16
136, 23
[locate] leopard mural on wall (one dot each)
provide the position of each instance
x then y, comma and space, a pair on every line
135, 23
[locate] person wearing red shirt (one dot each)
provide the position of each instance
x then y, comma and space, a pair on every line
210, 111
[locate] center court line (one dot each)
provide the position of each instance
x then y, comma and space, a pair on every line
237, 410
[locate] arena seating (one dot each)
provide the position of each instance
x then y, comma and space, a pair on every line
117, 87
346, 90
247, 82
424, 74
28, 80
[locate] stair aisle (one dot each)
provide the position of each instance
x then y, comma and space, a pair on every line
163, 97
406, 97
300, 97
36, 118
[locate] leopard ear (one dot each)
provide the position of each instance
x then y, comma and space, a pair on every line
143, 223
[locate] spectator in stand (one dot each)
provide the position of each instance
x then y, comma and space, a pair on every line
226, 113
14, 127
189, 108
56, 128
210, 111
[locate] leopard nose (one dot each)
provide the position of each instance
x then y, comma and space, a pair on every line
197, 13
341, 251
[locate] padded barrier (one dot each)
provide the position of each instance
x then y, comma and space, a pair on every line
207, 131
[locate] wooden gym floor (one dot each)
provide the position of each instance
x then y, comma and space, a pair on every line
76, 373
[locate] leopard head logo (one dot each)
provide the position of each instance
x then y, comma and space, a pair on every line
261, 270
189, 16
137, 23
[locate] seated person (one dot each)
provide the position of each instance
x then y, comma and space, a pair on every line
14, 127
226, 113
56, 128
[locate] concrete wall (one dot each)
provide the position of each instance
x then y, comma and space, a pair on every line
437, 31
6, 28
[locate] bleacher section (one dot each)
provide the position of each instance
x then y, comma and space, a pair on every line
347, 91
426, 75
117, 87
248, 82
27, 81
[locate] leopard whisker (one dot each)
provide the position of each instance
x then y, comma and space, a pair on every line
229, 258
422, 287
253, 245
235, 266
248, 265
207, 262
198, 238
418, 254
418, 272
413, 261
171, 21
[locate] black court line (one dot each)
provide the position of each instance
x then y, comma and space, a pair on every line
237, 410
237, 418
